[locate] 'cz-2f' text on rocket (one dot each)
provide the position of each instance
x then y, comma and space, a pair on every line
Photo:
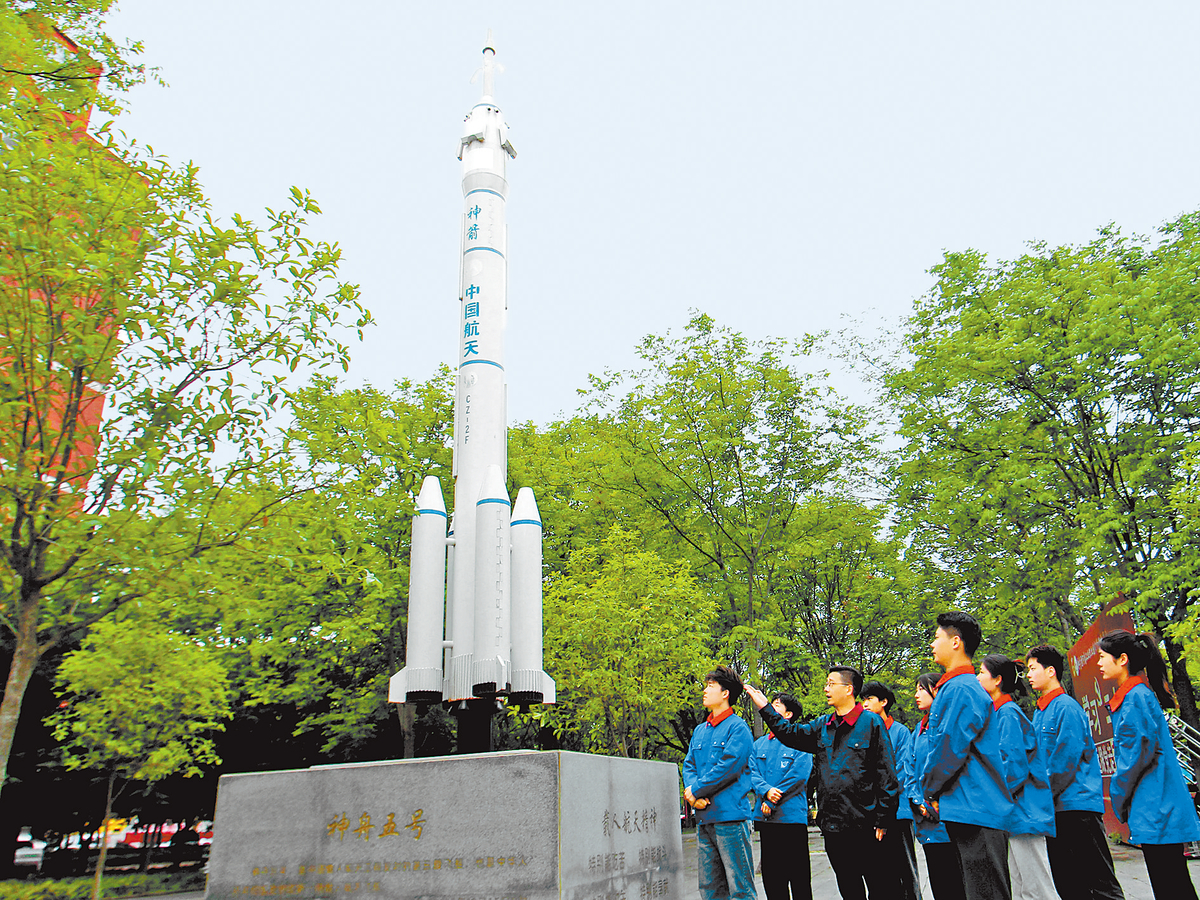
484, 580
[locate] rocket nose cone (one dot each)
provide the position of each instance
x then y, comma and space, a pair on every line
430, 497
493, 486
525, 509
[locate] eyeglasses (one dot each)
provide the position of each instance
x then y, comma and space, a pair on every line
832, 683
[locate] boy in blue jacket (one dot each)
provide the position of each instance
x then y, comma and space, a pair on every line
716, 779
780, 777
1080, 861
898, 842
963, 777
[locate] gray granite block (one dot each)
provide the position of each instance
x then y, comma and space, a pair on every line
521, 825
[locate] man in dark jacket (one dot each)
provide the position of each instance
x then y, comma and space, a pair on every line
857, 791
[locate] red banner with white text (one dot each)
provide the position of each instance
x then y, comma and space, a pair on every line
1093, 692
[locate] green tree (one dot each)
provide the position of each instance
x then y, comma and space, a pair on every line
141, 704
627, 636
845, 596
139, 333
1046, 404
39, 63
713, 447
720, 452
314, 605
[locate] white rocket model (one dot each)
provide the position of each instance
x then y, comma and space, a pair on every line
484, 579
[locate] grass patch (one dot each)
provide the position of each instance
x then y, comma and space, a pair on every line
113, 886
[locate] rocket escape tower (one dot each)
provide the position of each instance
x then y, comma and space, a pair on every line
475, 582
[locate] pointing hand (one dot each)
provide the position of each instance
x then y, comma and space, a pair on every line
757, 697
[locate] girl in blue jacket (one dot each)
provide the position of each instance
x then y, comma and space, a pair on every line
1147, 790
780, 777
1025, 774
945, 876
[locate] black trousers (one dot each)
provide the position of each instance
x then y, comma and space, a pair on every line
902, 858
786, 870
983, 854
945, 872
1167, 867
1080, 860
856, 868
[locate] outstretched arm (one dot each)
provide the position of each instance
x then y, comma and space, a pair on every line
800, 735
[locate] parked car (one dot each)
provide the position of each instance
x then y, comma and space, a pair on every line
29, 852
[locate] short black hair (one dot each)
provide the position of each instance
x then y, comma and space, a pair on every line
882, 691
852, 675
965, 626
791, 704
728, 680
1048, 657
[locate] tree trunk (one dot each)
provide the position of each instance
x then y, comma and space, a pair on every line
406, 715
1182, 684
103, 857
20, 671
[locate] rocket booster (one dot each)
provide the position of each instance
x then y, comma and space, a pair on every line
486, 623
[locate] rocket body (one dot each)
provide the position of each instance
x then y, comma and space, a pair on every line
480, 626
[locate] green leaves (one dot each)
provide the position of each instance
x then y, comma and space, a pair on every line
146, 344
626, 640
141, 701
1045, 413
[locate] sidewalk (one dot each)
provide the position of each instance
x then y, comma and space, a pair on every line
1131, 871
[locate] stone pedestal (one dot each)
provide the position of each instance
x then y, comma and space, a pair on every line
521, 825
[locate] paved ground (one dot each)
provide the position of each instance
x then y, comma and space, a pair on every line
1131, 871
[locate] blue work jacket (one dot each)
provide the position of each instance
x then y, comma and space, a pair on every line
1147, 790
963, 766
717, 768
1025, 773
901, 739
775, 765
928, 830
1065, 740
856, 772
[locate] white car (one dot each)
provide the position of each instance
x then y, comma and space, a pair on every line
29, 853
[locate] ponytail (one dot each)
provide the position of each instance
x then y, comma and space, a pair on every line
1144, 656
1156, 670
1008, 671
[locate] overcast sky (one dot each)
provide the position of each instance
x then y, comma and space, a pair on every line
785, 168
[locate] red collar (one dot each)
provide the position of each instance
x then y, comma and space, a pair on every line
1130, 683
1044, 700
924, 723
955, 672
850, 718
720, 717
1004, 698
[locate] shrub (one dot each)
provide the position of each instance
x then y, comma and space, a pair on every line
114, 887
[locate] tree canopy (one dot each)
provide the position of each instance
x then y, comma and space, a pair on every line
1046, 411
140, 333
627, 635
